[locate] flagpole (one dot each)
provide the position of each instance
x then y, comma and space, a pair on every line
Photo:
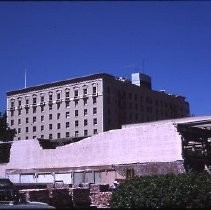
25, 78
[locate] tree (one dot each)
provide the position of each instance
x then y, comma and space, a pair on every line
6, 133
188, 190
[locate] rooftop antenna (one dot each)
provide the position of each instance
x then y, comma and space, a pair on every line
25, 77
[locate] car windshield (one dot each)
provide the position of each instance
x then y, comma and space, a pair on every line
6, 183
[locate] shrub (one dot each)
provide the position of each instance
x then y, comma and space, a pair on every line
179, 191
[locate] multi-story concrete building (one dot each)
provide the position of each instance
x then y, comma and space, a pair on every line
89, 105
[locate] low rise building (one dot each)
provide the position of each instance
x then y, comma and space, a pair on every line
167, 146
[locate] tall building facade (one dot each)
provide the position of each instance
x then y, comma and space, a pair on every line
89, 105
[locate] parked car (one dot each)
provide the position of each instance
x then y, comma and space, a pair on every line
8, 192
11, 199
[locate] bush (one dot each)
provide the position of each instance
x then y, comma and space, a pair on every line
179, 191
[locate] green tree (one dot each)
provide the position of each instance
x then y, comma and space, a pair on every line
6, 133
189, 190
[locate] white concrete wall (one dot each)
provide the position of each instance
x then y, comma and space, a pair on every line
3, 167
155, 142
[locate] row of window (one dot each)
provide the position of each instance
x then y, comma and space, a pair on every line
50, 126
131, 96
67, 115
67, 135
50, 96
42, 108
148, 99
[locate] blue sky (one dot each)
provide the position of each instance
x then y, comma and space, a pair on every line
61, 40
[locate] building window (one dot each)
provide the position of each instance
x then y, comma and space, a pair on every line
50, 96
27, 101
19, 112
27, 137
58, 135
85, 101
58, 116
27, 120
34, 137
67, 124
50, 106
42, 118
50, 136
42, 108
67, 93
95, 110
67, 134
34, 119
12, 103
58, 105
58, 95
76, 133
84, 91
94, 90
42, 137
109, 111
41, 99
95, 131
34, 109
108, 89
27, 129
12, 113
95, 121
19, 121
34, 128
76, 102
67, 114
109, 121
108, 100
58, 125
50, 126
85, 112
76, 123
27, 111
85, 122
12, 122
130, 173
85, 132
19, 138
76, 93
76, 113
34, 99
19, 102
67, 104
42, 127
50, 116
94, 100
19, 130
135, 96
